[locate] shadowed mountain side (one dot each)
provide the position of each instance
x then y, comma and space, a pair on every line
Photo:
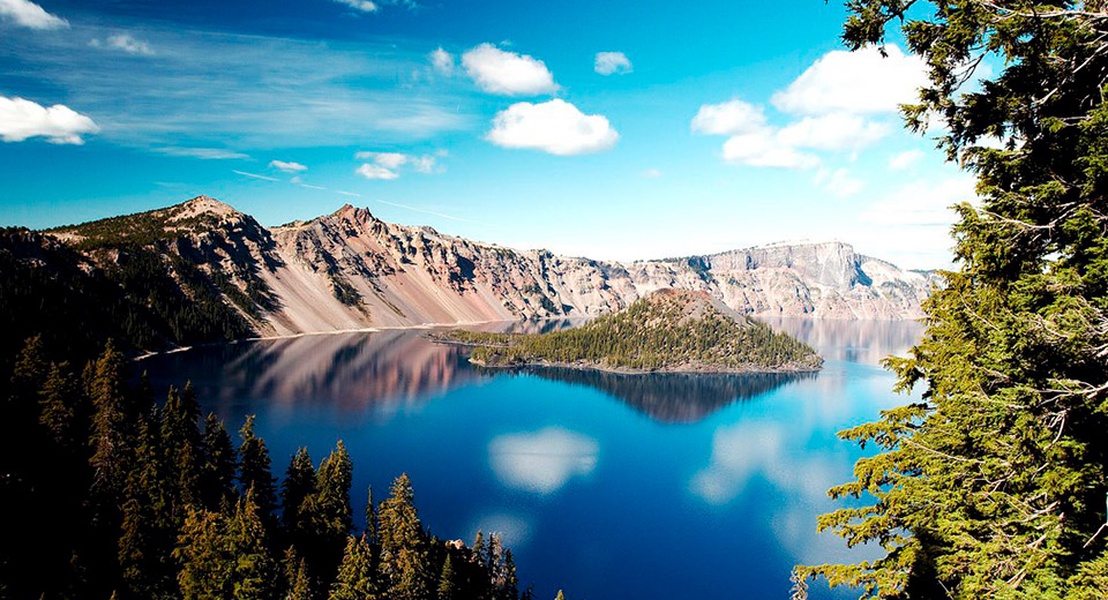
673, 397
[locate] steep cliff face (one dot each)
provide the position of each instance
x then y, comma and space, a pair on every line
350, 270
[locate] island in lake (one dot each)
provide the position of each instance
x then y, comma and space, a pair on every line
668, 331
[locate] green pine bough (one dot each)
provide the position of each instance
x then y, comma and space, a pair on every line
993, 484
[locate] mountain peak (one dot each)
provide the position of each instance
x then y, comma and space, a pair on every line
202, 205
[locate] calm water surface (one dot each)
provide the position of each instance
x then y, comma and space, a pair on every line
607, 486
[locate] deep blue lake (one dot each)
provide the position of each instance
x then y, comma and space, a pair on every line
607, 486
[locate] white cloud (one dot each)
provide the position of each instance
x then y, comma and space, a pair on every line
859, 82
839, 183
125, 43
764, 149
30, 15
288, 167
500, 72
203, 153
923, 203
389, 160
371, 171
652, 173
442, 61
555, 126
612, 63
729, 118
21, 119
362, 5
387, 165
834, 131
544, 461
254, 175
905, 159
424, 164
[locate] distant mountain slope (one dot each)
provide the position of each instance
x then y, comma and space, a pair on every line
201, 271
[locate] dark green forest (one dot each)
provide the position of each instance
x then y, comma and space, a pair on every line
666, 331
993, 485
109, 494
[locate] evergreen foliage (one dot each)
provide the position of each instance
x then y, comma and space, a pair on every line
666, 331
131, 500
993, 485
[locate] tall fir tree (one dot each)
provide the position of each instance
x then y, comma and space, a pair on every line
357, 575
254, 572
255, 472
217, 473
147, 532
404, 553
993, 485
182, 442
298, 486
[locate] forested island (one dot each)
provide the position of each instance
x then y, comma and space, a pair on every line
668, 331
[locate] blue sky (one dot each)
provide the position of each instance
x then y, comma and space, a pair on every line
601, 129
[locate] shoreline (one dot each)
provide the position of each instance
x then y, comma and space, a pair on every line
663, 371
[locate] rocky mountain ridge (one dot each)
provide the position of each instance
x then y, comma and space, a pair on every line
350, 270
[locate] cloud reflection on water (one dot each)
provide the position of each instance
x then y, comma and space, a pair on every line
542, 462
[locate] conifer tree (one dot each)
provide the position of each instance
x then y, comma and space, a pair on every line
448, 586
254, 571
255, 472
182, 443
147, 532
113, 429
992, 485
357, 577
217, 475
404, 554
202, 551
298, 486
60, 404
298, 577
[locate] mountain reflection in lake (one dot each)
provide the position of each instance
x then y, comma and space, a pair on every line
658, 486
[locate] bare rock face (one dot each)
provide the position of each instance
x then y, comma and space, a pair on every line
350, 270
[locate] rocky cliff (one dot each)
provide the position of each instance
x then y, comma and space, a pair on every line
350, 270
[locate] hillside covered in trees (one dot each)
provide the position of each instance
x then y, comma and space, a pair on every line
667, 331
109, 494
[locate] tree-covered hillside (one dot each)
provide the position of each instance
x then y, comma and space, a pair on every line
668, 330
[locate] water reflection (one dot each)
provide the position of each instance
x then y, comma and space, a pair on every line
674, 397
543, 461
863, 342
349, 373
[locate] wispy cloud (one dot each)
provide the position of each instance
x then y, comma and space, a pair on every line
208, 89
442, 61
387, 165
360, 5
125, 43
204, 153
254, 175
30, 15
287, 167
612, 63
426, 211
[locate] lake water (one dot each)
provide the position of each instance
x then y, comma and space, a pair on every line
607, 486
